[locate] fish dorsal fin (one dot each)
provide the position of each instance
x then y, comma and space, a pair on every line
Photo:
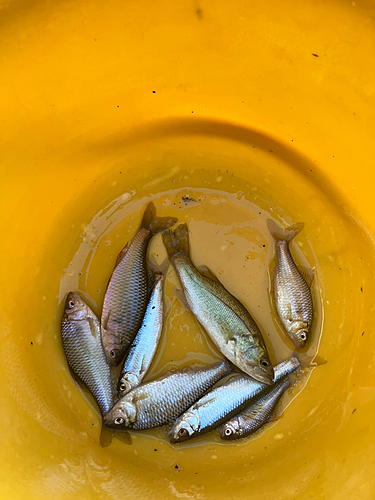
121, 255
78, 382
119, 259
154, 223
307, 274
187, 369
124, 437
206, 271
159, 268
275, 418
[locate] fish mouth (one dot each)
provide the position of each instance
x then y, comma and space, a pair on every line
178, 439
107, 421
112, 363
172, 437
178, 433
261, 376
298, 343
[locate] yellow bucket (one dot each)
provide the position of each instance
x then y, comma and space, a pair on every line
239, 106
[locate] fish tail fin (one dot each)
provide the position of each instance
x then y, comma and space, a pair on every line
154, 223
157, 269
177, 242
280, 234
106, 436
312, 361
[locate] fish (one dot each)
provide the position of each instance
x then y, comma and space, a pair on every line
223, 403
292, 293
160, 401
144, 345
80, 333
226, 320
128, 289
256, 415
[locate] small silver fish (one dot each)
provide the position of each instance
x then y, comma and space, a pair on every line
127, 293
222, 403
256, 415
292, 293
80, 332
225, 319
158, 402
144, 345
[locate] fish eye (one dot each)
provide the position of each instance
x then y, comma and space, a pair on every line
228, 431
71, 304
302, 336
182, 432
264, 362
112, 353
122, 387
119, 421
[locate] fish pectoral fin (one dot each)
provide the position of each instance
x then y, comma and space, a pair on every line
105, 323
93, 330
181, 296
106, 436
206, 271
307, 274
140, 397
144, 364
121, 255
208, 402
288, 314
231, 344
124, 437
108, 336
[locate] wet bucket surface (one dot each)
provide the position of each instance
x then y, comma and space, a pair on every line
252, 112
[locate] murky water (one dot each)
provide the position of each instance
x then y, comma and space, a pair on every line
225, 185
